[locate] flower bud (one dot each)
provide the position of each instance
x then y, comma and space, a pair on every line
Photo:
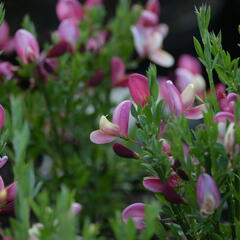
57, 50
26, 46
123, 151
139, 89
208, 195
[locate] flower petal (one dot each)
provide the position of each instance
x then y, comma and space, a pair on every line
188, 96
121, 117
99, 137
172, 97
190, 63
162, 58
11, 191
195, 113
139, 37
2, 116
223, 117
136, 212
153, 184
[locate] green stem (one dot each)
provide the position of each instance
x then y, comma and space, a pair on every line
212, 88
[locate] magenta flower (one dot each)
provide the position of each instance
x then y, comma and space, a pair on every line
181, 103
208, 195
3, 161
136, 213
7, 69
7, 197
118, 73
148, 42
108, 131
68, 32
124, 151
26, 46
2, 116
139, 88
153, 6
189, 63
154, 184
69, 9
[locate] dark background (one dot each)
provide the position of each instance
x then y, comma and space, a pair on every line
178, 14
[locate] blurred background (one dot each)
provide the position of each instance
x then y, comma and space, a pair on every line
179, 15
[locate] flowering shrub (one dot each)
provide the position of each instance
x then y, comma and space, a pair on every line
67, 172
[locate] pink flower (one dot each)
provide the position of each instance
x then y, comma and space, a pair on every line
154, 184
118, 73
2, 116
69, 9
7, 197
189, 63
26, 46
136, 213
7, 69
181, 103
97, 43
68, 32
208, 195
91, 3
153, 6
139, 88
148, 42
108, 131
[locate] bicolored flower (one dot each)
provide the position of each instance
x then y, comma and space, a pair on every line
139, 88
109, 131
118, 73
136, 213
70, 9
26, 45
154, 184
148, 42
181, 103
208, 195
68, 32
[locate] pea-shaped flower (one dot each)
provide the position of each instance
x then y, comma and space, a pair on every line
208, 195
108, 131
27, 47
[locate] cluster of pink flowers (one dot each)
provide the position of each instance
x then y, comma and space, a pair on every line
179, 100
